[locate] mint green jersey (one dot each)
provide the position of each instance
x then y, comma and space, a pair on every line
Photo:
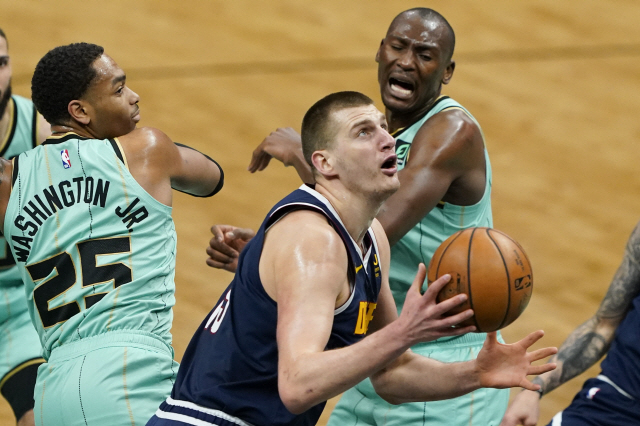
96, 252
419, 244
22, 135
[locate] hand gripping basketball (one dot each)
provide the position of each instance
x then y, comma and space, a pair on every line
428, 320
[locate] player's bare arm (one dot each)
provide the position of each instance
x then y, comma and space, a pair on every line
284, 145
304, 268
159, 165
590, 341
446, 163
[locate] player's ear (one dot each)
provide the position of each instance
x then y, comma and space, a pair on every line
323, 163
379, 49
448, 72
78, 111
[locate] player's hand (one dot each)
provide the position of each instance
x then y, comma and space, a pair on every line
523, 410
506, 366
226, 245
424, 318
283, 145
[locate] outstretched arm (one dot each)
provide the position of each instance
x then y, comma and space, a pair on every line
589, 341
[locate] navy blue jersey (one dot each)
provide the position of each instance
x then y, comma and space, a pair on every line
622, 364
231, 364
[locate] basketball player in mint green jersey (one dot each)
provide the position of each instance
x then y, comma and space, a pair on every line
445, 186
21, 128
88, 218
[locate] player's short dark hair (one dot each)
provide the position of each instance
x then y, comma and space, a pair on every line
4, 36
63, 75
431, 15
318, 128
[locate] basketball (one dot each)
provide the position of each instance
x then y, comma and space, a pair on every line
491, 268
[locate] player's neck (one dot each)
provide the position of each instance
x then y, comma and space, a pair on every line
402, 119
356, 211
61, 129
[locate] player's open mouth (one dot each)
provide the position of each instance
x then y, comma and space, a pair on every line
389, 167
400, 88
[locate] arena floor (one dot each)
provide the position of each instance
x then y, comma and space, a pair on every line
555, 86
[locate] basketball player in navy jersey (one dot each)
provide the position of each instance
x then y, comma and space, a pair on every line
289, 331
613, 397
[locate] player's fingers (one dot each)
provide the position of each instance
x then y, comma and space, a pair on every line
218, 231
450, 321
256, 157
220, 247
264, 162
435, 287
531, 338
542, 353
244, 234
541, 369
221, 257
451, 303
525, 383
419, 278
457, 331
217, 265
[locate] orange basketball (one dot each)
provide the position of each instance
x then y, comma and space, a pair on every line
491, 268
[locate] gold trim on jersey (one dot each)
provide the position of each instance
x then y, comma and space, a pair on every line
124, 155
62, 135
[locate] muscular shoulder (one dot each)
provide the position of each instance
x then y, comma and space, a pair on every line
451, 131
451, 141
303, 250
146, 143
310, 232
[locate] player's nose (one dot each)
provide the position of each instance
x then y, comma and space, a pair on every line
388, 141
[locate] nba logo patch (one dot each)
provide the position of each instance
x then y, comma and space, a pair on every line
66, 161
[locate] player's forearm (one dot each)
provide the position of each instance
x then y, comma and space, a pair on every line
417, 378
316, 377
582, 349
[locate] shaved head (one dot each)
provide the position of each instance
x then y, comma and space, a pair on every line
428, 15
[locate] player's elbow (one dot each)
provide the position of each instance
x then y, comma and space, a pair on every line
295, 400
384, 389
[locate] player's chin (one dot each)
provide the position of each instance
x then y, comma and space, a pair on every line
397, 105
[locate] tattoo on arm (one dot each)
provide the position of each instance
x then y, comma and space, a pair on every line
591, 340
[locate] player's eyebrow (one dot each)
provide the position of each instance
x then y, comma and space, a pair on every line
119, 79
4, 57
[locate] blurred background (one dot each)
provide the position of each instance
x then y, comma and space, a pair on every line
554, 85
